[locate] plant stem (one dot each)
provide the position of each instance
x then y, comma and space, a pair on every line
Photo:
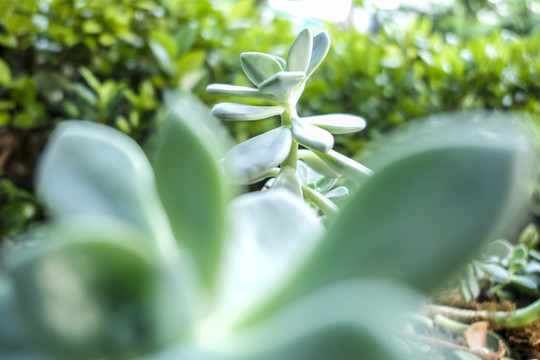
326, 206
286, 120
507, 319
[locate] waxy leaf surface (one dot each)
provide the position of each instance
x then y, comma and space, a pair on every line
321, 45
189, 183
259, 66
241, 112
282, 85
299, 53
312, 137
254, 157
337, 123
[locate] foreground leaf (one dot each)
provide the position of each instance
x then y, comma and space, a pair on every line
190, 184
89, 168
268, 232
348, 320
432, 206
71, 291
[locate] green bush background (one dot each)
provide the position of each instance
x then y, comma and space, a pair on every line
109, 62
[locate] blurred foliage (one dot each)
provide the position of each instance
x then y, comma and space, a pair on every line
110, 62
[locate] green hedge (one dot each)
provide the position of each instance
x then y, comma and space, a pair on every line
109, 61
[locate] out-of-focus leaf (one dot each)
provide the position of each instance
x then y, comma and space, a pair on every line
339, 193
497, 272
72, 291
5, 73
312, 136
288, 179
241, 112
258, 66
299, 54
268, 232
337, 123
90, 168
254, 157
190, 184
430, 207
347, 320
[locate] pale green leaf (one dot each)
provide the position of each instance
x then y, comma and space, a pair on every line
94, 286
240, 91
254, 157
259, 66
299, 54
317, 164
344, 165
288, 179
321, 45
431, 207
338, 193
353, 319
241, 112
283, 85
312, 137
281, 62
497, 272
190, 184
337, 123
89, 168
268, 232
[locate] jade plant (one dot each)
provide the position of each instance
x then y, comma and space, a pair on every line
155, 257
275, 153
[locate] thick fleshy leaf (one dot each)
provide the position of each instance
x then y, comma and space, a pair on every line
281, 62
254, 157
299, 53
241, 112
337, 123
94, 287
321, 45
337, 194
89, 168
344, 165
189, 182
426, 210
282, 85
268, 232
259, 66
239, 91
348, 320
317, 164
288, 180
15, 343
312, 137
